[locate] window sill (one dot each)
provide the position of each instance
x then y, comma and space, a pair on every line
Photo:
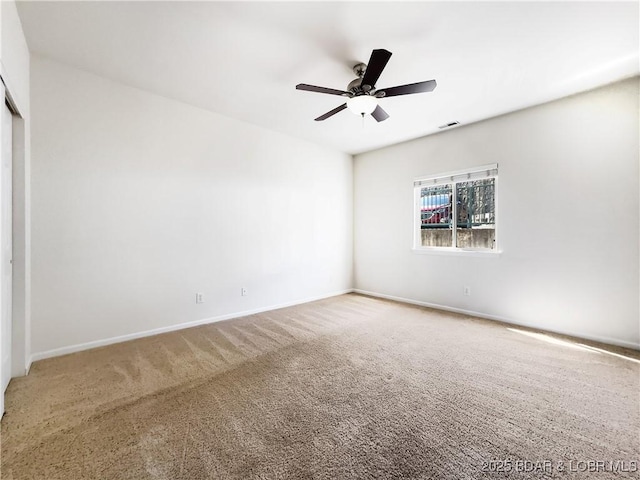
461, 252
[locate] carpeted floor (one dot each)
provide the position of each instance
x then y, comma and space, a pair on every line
349, 387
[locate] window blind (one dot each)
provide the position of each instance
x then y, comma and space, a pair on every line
477, 173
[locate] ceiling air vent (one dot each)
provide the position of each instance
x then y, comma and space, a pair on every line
449, 125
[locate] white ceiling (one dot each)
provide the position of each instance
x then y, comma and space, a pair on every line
244, 59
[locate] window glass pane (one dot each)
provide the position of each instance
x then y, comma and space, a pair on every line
435, 216
476, 212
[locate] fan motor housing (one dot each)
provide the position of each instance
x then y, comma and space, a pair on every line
355, 87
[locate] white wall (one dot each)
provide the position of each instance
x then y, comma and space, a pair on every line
15, 53
14, 68
139, 202
568, 217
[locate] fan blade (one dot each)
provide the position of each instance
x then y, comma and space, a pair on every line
419, 87
313, 88
379, 114
377, 62
331, 113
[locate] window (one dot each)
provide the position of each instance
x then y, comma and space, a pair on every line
469, 222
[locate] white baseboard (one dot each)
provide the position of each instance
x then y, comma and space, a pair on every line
595, 338
28, 365
56, 352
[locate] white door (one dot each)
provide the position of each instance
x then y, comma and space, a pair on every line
6, 247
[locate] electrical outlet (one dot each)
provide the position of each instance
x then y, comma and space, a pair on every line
243, 292
199, 298
467, 291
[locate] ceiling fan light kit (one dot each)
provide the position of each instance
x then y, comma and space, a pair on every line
362, 104
362, 95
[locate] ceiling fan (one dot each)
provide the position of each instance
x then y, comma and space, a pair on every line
362, 95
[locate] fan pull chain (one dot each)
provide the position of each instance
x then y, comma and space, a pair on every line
362, 120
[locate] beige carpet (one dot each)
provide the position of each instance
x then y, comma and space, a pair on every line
345, 388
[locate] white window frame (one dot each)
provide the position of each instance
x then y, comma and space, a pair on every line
475, 173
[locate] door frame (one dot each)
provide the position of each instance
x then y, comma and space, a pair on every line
6, 251
21, 291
